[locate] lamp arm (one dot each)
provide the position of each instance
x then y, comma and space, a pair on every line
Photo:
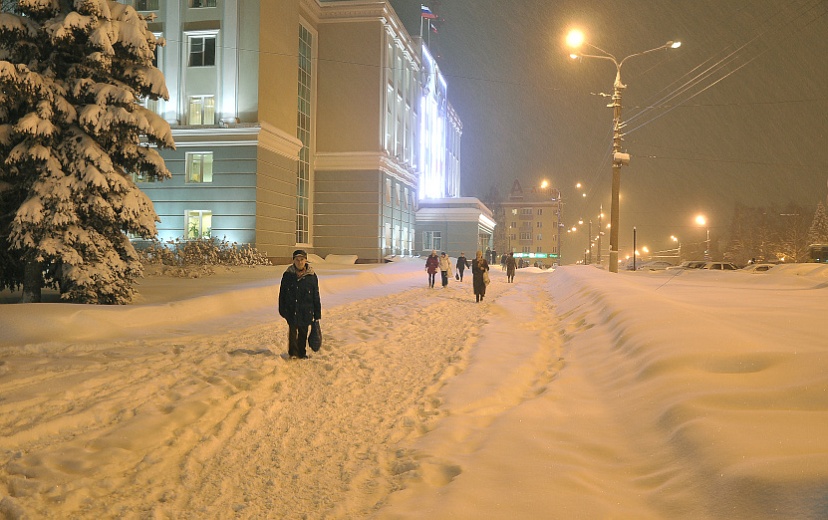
609, 58
645, 52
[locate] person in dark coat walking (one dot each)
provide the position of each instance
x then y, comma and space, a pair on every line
479, 266
299, 303
511, 265
431, 266
462, 264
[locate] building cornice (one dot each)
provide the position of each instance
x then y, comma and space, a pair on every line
312, 9
279, 142
190, 136
456, 215
351, 161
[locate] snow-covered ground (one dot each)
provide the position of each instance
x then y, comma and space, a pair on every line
568, 394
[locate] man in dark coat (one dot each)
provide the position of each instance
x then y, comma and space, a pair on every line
299, 303
462, 264
511, 265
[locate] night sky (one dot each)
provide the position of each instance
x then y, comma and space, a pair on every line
737, 114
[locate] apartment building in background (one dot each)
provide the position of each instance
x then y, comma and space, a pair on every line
305, 124
530, 222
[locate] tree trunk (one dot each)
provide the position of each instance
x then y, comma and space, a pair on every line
32, 282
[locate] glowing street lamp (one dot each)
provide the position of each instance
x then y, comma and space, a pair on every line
576, 39
702, 221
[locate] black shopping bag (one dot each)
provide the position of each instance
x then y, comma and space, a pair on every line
315, 338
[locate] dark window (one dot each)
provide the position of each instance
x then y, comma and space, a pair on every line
202, 51
146, 5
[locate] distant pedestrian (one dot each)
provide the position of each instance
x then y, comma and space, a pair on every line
462, 264
480, 267
431, 266
445, 268
299, 303
511, 265
503, 262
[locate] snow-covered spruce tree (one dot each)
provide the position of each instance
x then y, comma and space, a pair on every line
818, 233
72, 131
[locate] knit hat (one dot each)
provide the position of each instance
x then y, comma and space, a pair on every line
300, 252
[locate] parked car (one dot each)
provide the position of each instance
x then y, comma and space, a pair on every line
689, 264
757, 268
720, 266
655, 265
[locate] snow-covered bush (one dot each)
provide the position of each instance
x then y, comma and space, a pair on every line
72, 133
195, 258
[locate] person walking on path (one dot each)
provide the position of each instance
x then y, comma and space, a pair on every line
299, 303
462, 264
431, 266
445, 268
479, 267
511, 265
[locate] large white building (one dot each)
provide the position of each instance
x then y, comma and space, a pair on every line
301, 123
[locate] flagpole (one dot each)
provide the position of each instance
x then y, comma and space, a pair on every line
429, 33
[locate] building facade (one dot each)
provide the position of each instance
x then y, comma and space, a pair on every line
300, 123
531, 224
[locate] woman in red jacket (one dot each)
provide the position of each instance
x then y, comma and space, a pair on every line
431, 266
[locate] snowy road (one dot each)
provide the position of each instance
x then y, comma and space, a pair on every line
573, 394
199, 426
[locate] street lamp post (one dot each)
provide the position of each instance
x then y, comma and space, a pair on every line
702, 221
589, 241
575, 39
678, 249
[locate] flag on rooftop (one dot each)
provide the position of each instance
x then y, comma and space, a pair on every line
425, 12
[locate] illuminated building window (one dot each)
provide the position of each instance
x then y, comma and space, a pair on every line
199, 222
388, 238
303, 132
202, 110
199, 167
397, 239
202, 51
